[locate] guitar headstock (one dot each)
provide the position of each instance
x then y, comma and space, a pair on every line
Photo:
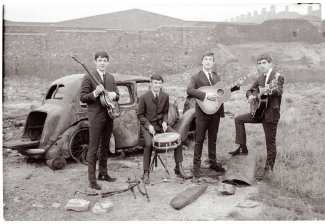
74, 57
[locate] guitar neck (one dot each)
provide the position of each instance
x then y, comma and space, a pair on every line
91, 75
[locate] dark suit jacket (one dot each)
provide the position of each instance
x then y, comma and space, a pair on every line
272, 111
86, 94
151, 112
198, 80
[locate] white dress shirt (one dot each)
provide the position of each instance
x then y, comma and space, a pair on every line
207, 75
101, 74
267, 76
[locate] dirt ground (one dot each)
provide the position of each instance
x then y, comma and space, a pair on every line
32, 191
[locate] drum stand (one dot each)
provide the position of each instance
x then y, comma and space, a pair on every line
155, 161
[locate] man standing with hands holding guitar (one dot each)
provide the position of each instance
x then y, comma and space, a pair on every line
206, 120
100, 123
270, 114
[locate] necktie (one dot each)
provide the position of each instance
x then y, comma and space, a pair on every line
211, 79
156, 98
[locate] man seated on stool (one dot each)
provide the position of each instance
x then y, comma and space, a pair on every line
153, 116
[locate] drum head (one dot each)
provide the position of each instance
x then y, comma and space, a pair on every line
166, 137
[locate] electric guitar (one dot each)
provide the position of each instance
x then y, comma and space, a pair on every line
259, 103
222, 91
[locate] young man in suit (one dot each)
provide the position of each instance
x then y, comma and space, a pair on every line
271, 114
205, 122
153, 116
100, 124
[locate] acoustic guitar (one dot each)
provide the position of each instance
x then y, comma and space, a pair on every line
259, 104
222, 91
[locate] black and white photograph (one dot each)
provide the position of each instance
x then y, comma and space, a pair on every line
163, 111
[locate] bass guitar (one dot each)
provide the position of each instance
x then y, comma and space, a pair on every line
260, 101
222, 91
113, 108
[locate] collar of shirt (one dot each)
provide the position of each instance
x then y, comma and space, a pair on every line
154, 93
101, 74
207, 75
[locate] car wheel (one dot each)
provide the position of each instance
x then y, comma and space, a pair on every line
79, 145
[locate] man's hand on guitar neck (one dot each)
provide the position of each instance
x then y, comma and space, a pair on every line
211, 96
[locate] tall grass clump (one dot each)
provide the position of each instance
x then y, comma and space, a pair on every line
301, 156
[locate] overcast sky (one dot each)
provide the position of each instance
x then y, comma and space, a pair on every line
197, 10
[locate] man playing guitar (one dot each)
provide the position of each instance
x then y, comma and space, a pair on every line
271, 115
206, 122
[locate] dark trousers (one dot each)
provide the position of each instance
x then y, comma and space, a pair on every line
178, 155
100, 132
205, 123
269, 131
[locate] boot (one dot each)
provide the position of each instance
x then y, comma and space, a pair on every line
217, 167
241, 150
94, 185
179, 171
106, 178
145, 177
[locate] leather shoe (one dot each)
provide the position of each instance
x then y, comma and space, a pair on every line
241, 150
95, 186
217, 167
106, 178
179, 171
145, 177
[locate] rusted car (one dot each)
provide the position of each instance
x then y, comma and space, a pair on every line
58, 129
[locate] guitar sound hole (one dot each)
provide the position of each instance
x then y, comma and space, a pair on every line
220, 92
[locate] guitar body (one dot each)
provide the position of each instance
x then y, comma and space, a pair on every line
113, 108
221, 89
258, 107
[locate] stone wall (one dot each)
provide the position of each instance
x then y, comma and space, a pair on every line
46, 51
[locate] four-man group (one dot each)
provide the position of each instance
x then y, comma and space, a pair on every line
153, 116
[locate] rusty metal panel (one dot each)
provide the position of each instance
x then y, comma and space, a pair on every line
241, 169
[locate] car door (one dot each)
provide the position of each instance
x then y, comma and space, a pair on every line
126, 127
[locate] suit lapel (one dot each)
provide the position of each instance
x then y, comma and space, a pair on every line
153, 99
204, 79
215, 77
263, 77
99, 78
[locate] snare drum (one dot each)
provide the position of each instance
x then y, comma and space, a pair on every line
166, 141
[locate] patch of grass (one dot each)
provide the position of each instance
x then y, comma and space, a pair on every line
284, 205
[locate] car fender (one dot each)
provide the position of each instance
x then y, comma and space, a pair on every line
182, 126
61, 147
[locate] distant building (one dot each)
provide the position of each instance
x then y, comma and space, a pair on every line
313, 16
